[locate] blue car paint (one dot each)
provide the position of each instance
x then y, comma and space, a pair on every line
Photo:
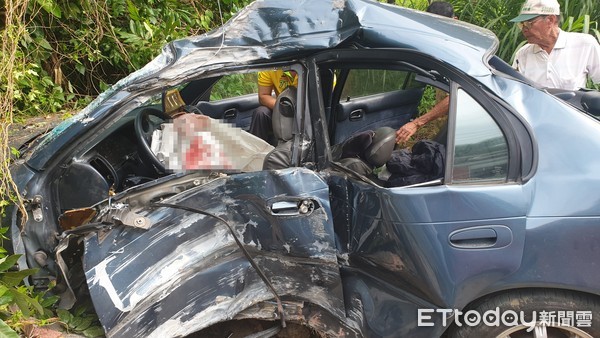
133, 272
381, 254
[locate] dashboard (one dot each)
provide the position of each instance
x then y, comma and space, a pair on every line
111, 166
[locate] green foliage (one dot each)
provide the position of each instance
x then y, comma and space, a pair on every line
428, 100
81, 321
494, 15
12, 292
19, 303
6, 331
15, 152
234, 85
16, 301
35, 92
74, 50
414, 4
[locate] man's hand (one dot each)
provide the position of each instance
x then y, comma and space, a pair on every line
410, 128
406, 131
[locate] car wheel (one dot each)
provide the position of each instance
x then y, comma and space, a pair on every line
539, 314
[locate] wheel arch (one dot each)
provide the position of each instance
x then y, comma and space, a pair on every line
538, 290
301, 319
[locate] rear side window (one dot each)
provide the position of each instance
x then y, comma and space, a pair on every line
365, 82
234, 85
371, 98
480, 148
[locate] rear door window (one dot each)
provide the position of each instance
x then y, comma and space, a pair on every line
480, 147
371, 98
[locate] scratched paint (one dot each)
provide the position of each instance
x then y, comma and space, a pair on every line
164, 274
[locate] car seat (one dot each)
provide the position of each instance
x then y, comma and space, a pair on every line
366, 150
283, 130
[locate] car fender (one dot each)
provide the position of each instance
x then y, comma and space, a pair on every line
189, 270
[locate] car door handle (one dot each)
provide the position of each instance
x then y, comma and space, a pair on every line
292, 207
481, 237
230, 114
356, 115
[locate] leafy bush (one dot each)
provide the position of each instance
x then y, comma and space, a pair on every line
36, 93
75, 50
22, 308
16, 300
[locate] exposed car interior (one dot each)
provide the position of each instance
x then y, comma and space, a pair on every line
118, 161
366, 106
368, 103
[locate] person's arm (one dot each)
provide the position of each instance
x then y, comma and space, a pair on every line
408, 129
265, 98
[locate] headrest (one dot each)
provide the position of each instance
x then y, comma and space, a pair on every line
283, 114
381, 146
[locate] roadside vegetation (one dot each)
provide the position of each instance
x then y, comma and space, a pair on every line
56, 56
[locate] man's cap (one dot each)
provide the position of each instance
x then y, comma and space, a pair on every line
534, 8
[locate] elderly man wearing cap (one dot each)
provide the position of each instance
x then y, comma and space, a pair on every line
554, 58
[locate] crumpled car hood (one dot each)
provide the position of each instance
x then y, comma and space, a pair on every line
183, 270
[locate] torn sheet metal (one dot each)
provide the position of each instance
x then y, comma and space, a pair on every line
139, 278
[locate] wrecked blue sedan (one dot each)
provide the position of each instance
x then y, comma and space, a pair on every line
489, 229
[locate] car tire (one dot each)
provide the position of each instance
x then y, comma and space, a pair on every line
563, 305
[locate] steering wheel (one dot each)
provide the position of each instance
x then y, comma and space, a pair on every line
144, 127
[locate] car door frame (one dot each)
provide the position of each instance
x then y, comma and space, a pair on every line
432, 279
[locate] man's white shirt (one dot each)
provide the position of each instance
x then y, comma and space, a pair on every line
574, 58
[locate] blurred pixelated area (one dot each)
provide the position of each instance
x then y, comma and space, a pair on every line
198, 142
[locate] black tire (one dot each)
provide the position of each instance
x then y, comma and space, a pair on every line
585, 309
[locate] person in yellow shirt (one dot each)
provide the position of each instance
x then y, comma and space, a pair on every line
268, 82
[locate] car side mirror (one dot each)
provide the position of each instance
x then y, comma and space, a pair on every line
590, 101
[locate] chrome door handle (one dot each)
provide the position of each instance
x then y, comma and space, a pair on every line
292, 208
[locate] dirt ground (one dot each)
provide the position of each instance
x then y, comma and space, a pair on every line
19, 133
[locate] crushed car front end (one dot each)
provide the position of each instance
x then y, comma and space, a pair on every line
175, 257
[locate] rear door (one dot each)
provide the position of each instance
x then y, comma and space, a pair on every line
371, 97
437, 244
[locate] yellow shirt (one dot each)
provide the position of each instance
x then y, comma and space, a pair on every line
277, 79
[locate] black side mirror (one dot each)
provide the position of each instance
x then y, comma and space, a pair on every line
590, 101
